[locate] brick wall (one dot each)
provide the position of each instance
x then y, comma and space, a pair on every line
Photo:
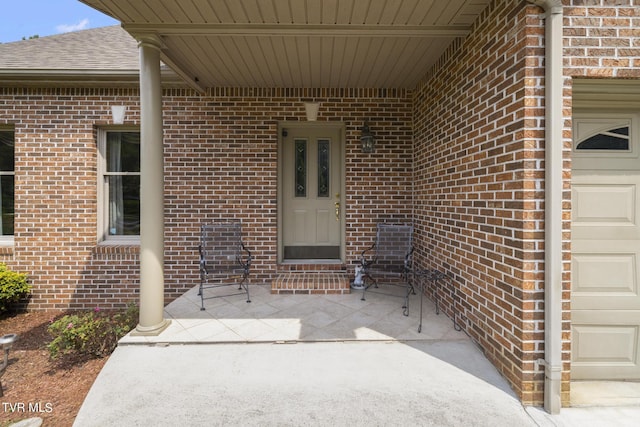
602, 39
221, 154
56, 199
468, 142
479, 143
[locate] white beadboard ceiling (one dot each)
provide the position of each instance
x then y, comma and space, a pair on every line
298, 43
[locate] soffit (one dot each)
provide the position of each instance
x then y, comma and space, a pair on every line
298, 43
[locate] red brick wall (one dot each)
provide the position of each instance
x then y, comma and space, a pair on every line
475, 126
220, 161
222, 154
602, 39
56, 199
479, 144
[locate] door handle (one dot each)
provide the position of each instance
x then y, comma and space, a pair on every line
337, 205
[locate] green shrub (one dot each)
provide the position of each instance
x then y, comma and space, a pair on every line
13, 287
92, 334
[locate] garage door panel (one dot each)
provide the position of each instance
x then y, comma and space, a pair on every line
605, 344
612, 205
605, 278
605, 207
602, 344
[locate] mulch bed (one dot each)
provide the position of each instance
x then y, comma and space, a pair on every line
36, 386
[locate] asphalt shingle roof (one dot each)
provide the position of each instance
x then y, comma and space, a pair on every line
106, 48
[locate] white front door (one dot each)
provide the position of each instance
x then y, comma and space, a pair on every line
605, 248
311, 177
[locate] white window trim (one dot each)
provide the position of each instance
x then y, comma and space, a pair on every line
103, 237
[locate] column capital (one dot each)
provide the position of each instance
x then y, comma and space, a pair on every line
150, 40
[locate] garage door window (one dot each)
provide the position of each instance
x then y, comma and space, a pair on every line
616, 138
598, 137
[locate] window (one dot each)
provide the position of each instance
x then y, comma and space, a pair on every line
7, 174
616, 138
119, 185
600, 138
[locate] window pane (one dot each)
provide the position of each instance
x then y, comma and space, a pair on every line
323, 168
301, 168
621, 131
6, 193
6, 151
123, 152
124, 205
614, 139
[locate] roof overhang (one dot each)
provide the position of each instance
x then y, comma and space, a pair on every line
298, 43
33, 77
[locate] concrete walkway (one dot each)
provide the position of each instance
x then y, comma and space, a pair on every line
305, 360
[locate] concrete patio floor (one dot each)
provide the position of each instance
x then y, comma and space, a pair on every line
301, 317
316, 360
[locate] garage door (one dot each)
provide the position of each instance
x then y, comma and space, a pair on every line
605, 300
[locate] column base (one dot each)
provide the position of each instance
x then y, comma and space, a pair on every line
154, 330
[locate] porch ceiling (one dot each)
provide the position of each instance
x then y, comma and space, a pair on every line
298, 43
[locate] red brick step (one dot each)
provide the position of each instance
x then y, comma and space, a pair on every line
293, 282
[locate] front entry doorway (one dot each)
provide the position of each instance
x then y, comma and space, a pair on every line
311, 193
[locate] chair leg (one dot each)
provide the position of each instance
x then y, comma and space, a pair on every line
405, 307
421, 297
436, 288
201, 293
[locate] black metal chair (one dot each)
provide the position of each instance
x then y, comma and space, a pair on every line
434, 280
224, 260
389, 260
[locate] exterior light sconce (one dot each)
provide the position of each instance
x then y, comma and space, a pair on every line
367, 140
311, 108
6, 342
117, 114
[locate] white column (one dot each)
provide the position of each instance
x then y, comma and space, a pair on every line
152, 320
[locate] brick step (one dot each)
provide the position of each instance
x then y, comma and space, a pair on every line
293, 282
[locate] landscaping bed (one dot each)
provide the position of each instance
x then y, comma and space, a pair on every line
36, 386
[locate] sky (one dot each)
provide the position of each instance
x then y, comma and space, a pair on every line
26, 18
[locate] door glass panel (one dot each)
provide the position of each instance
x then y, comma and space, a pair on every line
301, 168
323, 168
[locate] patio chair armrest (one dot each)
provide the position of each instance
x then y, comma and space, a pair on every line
203, 263
408, 259
363, 257
245, 260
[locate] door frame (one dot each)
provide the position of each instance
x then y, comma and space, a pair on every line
341, 128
